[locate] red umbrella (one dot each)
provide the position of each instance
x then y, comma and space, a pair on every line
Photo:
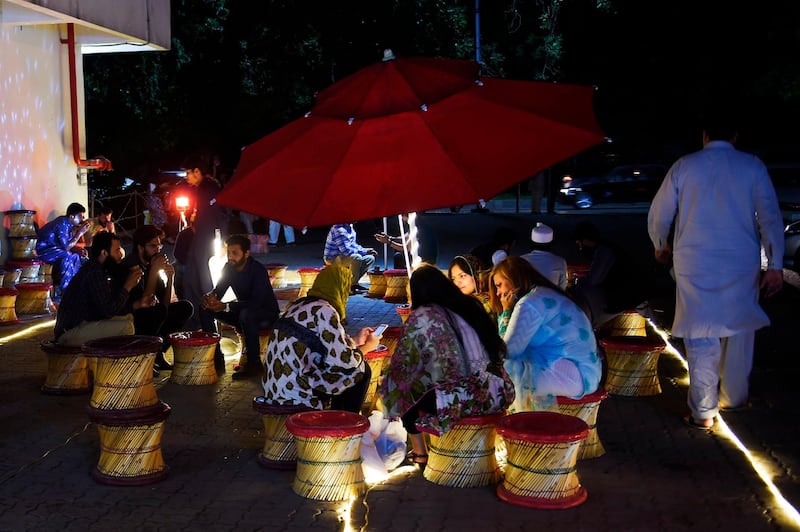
410, 135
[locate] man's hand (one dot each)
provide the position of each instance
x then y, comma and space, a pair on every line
662, 255
146, 301
212, 303
383, 238
771, 282
134, 276
371, 251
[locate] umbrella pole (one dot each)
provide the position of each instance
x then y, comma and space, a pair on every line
385, 247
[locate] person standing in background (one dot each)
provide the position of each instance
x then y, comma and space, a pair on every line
274, 233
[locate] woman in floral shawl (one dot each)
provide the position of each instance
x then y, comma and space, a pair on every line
448, 364
310, 360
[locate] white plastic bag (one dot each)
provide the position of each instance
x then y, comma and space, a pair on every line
391, 444
383, 446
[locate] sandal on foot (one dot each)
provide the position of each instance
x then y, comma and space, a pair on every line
418, 459
695, 424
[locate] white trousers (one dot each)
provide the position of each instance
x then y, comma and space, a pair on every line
719, 372
275, 229
92, 330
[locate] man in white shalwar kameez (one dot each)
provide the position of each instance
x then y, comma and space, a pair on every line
724, 208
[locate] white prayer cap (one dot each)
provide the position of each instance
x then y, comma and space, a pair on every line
497, 256
542, 234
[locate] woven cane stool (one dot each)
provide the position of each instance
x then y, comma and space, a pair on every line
396, 284
404, 311
632, 365
391, 337
542, 453
194, 357
277, 273
377, 284
279, 451
463, 457
586, 408
22, 247
11, 278
21, 223
328, 454
33, 298
67, 370
378, 360
29, 269
629, 323
8, 306
307, 278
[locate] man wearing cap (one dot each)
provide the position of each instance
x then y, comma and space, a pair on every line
548, 264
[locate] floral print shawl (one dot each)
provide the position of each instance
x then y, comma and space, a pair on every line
429, 356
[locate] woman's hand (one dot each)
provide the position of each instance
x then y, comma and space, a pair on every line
509, 299
365, 340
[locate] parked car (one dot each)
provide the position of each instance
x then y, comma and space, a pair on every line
622, 183
786, 179
791, 252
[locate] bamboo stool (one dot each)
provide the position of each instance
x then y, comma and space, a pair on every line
8, 312
463, 457
279, 451
378, 360
194, 357
629, 323
46, 273
632, 365
29, 269
328, 454
396, 283
23, 247
307, 278
21, 223
67, 370
277, 273
391, 337
575, 272
377, 284
542, 453
11, 278
123, 376
586, 408
403, 311
33, 298
130, 448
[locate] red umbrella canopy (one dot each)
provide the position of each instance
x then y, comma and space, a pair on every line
410, 135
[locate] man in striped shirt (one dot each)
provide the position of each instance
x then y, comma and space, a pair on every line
341, 246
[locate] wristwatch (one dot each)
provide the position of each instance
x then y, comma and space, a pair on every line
227, 307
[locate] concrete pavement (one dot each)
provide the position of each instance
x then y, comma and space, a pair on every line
657, 474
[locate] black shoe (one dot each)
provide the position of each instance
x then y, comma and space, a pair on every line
219, 363
248, 373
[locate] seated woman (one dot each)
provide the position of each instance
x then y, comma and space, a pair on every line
551, 346
310, 360
448, 364
466, 275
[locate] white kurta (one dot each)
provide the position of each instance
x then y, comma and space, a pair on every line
724, 207
550, 265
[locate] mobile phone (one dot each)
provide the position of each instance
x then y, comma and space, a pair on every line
380, 329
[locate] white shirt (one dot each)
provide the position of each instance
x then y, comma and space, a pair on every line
551, 266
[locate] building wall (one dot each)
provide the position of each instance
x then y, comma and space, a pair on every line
37, 170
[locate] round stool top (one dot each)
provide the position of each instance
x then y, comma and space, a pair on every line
543, 427
22, 238
404, 308
51, 347
633, 343
595, 397
395, 273
21, 211
262, 406
23, 263
34, 286
308, 270
275, 266
380, 352
193, 338
8, 292
337, 423
122, 346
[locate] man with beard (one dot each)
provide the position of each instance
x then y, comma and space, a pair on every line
92, 300
165, 316
255, 307
56, 241
101, 222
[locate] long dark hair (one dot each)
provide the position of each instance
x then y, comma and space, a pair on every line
430, 286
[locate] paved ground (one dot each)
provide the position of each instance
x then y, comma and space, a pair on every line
657, 474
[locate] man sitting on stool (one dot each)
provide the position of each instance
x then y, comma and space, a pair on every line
164, 317
255, 307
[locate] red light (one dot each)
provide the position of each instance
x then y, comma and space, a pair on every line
182, 203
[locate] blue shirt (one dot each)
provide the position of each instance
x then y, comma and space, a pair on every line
342, 241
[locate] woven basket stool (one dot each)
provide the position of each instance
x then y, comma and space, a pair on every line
463, 457
67, 370
586, 408
8, 306
22, 247
629, 323
396, 284
632, 365
130, 448
33, 298
328, 454
391, 337
279, 451
377, 284
194, 357
277, 273
403, 311
29, 269
123, 376
378, 360
21, 223
11, 278
307, 278
542, 453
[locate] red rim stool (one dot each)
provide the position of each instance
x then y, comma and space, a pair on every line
279, 451
403, 311
8, 306
33, 298
67, 370
23, 247
586, 408
193, 354
396, 283
464, 456
21, 223
328, 454
29, 269
377, 284
378, 360
542, 453
629, 323
632, 365
277, 272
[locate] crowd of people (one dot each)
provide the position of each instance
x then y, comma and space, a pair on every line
493, 333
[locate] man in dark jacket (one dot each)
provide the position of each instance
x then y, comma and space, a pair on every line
255, 307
